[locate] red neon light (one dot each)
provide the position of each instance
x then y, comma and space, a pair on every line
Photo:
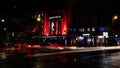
56, 27
64, 25
45, 25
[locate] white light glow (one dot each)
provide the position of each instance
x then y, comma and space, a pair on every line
88, 29
105, 34
4, 29
52, 26
3, 20
53, 17
100, 37
93, 29
80, 38
115, 17
38, 19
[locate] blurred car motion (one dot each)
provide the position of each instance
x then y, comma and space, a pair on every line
55, 46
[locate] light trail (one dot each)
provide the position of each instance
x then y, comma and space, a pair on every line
85, 49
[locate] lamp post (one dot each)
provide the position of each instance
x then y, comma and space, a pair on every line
113, 21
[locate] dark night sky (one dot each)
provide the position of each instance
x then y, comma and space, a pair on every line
21, 7
11, 9
27, 6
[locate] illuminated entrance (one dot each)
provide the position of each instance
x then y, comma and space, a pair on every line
55, 25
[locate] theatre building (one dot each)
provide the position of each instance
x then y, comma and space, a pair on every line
54, 24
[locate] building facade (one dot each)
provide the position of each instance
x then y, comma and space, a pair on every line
55, 23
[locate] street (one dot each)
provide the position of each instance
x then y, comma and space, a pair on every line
91, 59
59, 34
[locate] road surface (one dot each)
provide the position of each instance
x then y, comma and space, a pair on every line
89, 59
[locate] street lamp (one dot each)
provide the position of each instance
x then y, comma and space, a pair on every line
113, 21
2, 20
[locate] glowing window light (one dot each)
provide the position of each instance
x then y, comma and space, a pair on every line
42, 14
93, 29
116, 35
52, 26
82, 29
86, 34
38, 19
100, 37
74, 29
70, 30
102, 29
105, 34
4, 29
88, 29
80, 38
39, 15
13, 34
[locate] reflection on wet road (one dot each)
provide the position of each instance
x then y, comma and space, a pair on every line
16, 61
88, 60
100, 59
